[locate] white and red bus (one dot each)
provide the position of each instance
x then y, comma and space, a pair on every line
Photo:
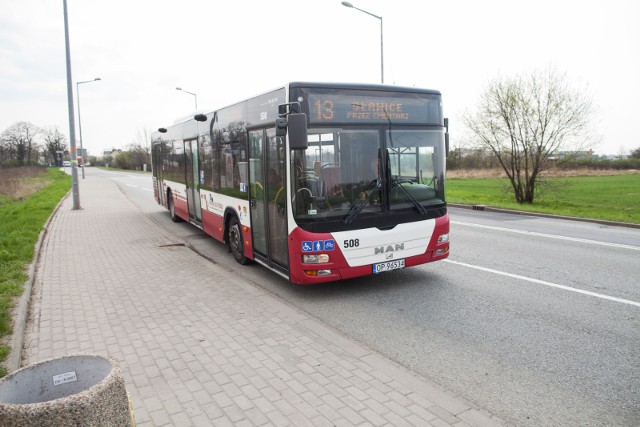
317, 182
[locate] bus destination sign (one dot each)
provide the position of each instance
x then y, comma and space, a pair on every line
338, 108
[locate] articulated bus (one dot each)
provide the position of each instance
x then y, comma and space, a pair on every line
318, 182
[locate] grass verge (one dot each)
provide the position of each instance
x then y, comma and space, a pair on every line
22, 216
611, 198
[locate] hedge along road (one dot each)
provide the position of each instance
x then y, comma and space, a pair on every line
534, 319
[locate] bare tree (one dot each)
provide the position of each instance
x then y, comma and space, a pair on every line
18, 142
139, 152
526, 120
54, 141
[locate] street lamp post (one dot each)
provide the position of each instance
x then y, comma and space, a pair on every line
84, 161
347, 4
75, 188
190, 93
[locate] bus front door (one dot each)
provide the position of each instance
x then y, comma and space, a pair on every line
157, 170
268, 198
192, 167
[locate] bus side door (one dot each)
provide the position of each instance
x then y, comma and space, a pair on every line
192, 171
268, 197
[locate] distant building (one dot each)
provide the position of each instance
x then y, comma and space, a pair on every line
113, 152
576, 155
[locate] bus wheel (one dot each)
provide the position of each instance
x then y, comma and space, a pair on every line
172, 208
236, 242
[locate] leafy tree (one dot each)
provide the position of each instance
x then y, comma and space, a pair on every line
122, 160
107, 160
54, 141
635, 154
526, 120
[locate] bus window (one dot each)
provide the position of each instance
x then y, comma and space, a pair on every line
414, 174
325, 185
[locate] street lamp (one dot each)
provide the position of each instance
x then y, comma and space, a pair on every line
191, 93
75, 188
347, 4
84, 160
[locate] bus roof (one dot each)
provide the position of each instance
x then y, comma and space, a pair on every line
363, 86
186, 120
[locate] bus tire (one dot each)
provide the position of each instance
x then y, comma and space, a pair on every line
236, 242
172, 208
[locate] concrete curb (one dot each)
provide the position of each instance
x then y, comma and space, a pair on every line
487, 208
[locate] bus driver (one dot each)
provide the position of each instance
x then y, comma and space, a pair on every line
374, 187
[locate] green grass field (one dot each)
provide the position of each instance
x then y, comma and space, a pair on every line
613, 198
26, 202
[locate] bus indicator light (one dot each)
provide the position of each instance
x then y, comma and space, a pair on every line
316, 273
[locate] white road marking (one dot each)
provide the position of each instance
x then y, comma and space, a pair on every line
542, 282
139, 188
549, 236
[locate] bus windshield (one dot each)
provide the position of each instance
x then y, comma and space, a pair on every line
347, 174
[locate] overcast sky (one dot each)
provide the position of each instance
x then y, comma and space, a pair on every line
226, 51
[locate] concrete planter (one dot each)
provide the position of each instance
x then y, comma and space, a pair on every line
77, 390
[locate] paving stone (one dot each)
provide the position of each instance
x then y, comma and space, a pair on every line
198, 344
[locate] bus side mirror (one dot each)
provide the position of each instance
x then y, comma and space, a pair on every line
446, 144
296, 124
281, 126
446, 137
298, 131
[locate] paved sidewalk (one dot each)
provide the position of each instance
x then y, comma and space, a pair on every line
199, 345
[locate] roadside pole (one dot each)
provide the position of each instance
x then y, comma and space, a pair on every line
72, 126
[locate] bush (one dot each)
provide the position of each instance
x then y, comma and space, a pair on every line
599, 164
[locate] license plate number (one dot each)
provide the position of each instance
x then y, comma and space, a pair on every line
387, 266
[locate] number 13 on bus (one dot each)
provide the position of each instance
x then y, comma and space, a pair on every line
317, 182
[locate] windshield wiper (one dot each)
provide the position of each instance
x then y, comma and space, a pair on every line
421, 209
359, 204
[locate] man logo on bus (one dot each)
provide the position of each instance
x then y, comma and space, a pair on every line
389, 248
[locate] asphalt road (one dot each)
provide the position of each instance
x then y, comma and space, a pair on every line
536, 320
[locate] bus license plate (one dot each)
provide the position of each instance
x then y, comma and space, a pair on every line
387, 266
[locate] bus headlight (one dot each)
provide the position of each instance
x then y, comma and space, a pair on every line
443, 238
315, 259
